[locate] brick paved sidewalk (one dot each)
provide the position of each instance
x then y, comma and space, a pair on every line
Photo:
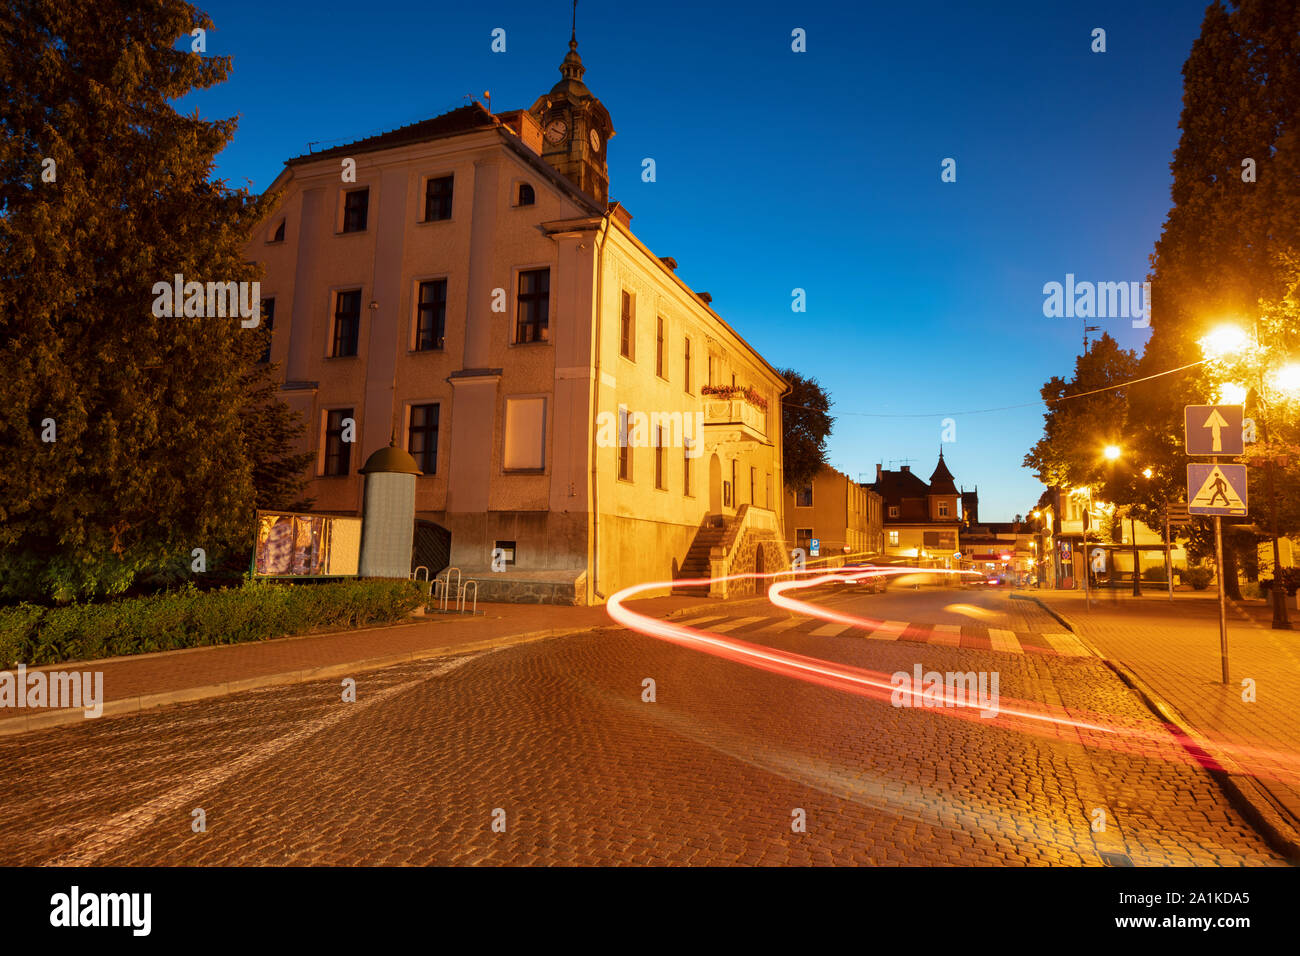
1171, 650
141, 681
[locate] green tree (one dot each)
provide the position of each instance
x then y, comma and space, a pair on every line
162, 427
805, 423
1083, 416
1228, 251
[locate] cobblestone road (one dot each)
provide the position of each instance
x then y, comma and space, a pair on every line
556, 736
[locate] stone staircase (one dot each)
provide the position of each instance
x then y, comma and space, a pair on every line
696, 563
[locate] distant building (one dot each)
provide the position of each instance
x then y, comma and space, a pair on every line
844, 517
921, 519
574, 407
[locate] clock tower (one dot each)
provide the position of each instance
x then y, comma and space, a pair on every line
575, 128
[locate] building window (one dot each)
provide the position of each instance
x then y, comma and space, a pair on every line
735, 497
803, 497
356, 206
437, 199
533, 305
710, 381
506, 549
627, 329
431, 316
525, 434
279, 233
347, 323
659, 347
268, 320
686, 471
526, 195
753, 485
624, 447
687, 355
659, 458
803, 538
422, 437
893, 511
893, 539
943, 509
338, 453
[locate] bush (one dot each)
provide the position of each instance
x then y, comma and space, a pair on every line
1198, 576
193, 618
1155, 575
1290, 581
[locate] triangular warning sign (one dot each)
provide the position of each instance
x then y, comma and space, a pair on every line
1217, 492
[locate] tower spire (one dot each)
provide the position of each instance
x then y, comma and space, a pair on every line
573, 34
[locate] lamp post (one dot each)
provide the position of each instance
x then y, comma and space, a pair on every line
1227, 340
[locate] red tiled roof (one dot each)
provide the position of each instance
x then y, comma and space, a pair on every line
463, 120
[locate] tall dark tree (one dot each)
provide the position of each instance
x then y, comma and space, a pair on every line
805, 424
1229, 250
129, 440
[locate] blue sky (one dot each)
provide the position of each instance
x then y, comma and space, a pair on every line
819, 170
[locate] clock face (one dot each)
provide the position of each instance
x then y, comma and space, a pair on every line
556, 130
595, 141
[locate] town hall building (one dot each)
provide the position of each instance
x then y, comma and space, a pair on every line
465, 288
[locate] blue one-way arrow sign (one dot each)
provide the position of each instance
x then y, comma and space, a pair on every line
1213, 430
1216, 490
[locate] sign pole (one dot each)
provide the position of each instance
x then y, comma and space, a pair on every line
1087, 559
1223, 601
1169, 558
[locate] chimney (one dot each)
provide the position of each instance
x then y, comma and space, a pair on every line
907, 468
877, 472
704, 297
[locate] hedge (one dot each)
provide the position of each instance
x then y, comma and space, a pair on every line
192, 618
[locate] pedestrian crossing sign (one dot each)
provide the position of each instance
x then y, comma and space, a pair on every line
1216, 490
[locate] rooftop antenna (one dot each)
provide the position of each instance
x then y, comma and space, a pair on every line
1086, 329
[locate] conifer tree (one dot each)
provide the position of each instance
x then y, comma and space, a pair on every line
128, 439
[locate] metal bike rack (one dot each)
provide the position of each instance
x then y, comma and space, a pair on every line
445, 587
463, 593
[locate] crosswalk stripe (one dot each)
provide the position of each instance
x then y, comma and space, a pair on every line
889, 631
785, 625
1004, 641
947, 634
695, 621
1066, 644
732, 625
829, 630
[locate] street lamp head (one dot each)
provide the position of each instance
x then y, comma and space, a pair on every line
1232, 393
1287, 380
1147, 472
1112, 452
1224, 340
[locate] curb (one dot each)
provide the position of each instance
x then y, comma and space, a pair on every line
11, 726
1245, 795
131, 705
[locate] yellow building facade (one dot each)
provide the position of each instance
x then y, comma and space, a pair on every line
464, 287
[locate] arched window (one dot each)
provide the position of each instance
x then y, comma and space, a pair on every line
526, 195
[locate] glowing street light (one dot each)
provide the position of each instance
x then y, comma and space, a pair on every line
1287, 380
1232, 393
1147, 472
1112, 452
1224, 340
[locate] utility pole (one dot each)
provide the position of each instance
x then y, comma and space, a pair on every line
1137, 561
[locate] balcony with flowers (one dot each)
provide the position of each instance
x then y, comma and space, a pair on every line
738, 407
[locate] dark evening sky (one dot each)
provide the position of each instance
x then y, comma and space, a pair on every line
819, 170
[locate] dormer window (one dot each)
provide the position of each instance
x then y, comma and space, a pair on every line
526, 195
279, 233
